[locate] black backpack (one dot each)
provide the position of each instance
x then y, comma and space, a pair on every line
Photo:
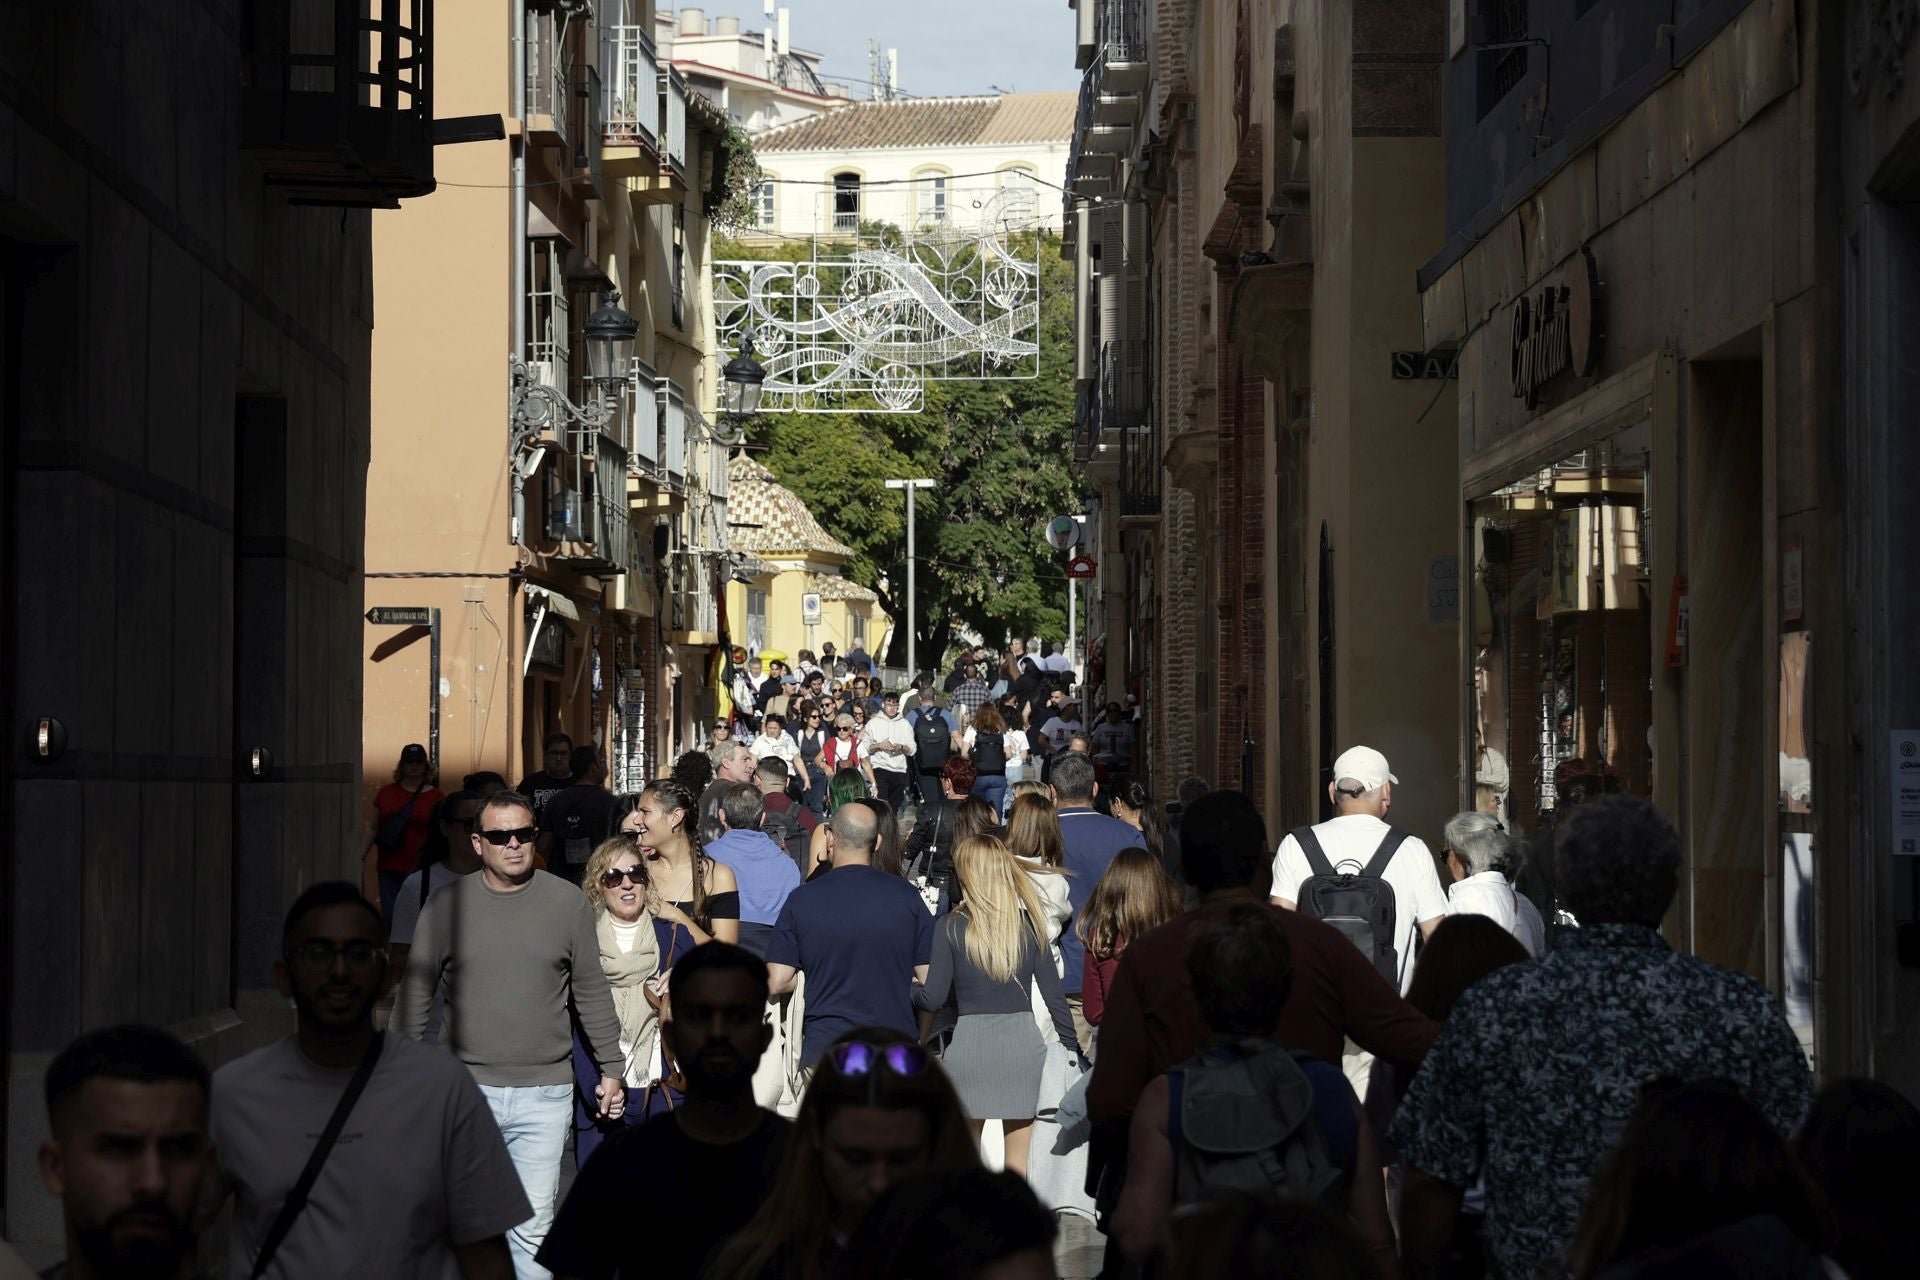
1359, 905
1240, 1120
990, 754
932, 740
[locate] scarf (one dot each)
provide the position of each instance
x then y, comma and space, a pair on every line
627, 973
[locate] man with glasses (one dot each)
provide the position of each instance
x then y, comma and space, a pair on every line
407, 1188
512, 945
555, 777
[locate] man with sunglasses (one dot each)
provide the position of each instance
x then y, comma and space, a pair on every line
407, 1188
660, 1199
513, 946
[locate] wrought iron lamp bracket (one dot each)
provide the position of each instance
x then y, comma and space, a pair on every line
535, 409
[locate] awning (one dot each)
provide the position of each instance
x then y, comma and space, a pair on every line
554, 601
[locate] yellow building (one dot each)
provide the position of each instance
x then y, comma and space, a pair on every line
798, 559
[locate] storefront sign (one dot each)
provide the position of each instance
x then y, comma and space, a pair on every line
1552, 332
1080, 567
1906, 793
1434, 365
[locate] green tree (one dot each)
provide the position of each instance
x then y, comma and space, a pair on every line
1001, 454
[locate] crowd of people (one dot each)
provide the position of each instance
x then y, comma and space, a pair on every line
753, 1022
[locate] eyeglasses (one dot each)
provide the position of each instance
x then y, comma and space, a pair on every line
318, 954
612, 876
500, 839
858, 1058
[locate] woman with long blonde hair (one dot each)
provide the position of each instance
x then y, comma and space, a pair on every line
987, 953
1033, 834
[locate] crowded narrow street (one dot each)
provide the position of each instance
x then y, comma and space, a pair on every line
843, 640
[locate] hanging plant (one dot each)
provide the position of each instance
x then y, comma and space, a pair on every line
736, 178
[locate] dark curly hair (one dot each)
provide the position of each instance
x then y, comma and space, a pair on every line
693, 771
1619, 862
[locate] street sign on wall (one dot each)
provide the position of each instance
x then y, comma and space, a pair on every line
399, 616
1080, 567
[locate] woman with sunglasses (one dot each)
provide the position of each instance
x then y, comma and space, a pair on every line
988, 953
878, 1110
693, 898
615, 882
811, 733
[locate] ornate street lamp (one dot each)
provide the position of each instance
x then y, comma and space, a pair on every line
610, 333
746, 379
535, 408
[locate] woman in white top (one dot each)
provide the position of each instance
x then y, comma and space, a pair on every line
1483, 859
616, 885
1033, 834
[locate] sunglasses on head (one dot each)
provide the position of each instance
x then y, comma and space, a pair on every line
858, 1058
612, 876
500, 839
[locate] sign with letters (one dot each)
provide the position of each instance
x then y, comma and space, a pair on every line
1436, 365
1553, 331
399, 616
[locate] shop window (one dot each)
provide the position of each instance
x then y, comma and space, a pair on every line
1563, 624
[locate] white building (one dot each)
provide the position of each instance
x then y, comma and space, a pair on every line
757, 77
918, 162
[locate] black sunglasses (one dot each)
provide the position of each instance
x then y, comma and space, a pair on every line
612, 876
319, 953
500, 839
858, 1058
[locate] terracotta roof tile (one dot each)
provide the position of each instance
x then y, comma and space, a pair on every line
929, 122
767, 518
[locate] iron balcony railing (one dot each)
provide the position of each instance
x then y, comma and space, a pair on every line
673, 120
592, 133
1123, 385
1120, 33
596, 525
549, 97
630, 79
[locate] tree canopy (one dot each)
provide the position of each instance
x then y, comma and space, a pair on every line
1001, 454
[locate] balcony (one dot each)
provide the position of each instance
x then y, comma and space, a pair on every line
336, 102
1093, 166
592, 523
1120, 46
630, 109
591, 155
668, 184
549, 96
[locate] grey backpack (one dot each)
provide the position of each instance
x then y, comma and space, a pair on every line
1240, 1118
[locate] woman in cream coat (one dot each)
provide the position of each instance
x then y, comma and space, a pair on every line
616, 885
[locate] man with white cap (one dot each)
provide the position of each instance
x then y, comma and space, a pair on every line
1350, 843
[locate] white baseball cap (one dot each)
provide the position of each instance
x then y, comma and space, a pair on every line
1365, 766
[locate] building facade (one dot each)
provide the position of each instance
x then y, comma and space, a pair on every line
924, 163
1252, 188
796, 559
574, 561
186, 308
758, 78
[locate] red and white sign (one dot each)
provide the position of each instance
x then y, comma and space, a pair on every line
1080, 567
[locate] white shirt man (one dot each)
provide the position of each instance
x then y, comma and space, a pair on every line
1057, 660
887, 727
1362, 792
1062, 725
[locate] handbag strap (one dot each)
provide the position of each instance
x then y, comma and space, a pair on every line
296, 1200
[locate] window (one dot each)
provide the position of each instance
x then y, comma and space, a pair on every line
846, 202
763, 205
1502, 70
756, 620
857, 629
1017, 185
679, 266
930, 196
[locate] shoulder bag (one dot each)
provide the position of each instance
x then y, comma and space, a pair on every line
296, 1200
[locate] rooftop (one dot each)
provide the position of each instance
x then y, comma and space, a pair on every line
929, 122
776, 518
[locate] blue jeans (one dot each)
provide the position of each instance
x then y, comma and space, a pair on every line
992, 789
533, 1119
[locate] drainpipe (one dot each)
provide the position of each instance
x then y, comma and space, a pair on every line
517, 233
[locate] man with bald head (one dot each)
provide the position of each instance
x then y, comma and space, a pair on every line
861, 936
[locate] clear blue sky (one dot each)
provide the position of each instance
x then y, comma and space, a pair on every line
945, 48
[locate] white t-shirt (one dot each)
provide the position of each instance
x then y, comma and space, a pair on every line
1488, 894
884, 728
1112, 741
1355, 838
406, 907
1015, 745
782, 746
1059, 731
419, 1168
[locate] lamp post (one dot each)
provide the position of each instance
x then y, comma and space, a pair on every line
913, 667
746, 381
535, 408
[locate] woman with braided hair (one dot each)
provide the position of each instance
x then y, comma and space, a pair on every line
693, 898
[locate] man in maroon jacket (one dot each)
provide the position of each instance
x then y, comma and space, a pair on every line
1151, 1022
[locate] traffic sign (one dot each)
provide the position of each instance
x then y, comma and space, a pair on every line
400, 616
810, 607
1080, 567
1062, 532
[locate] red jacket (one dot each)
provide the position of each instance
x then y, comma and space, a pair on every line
1096, 980
1151, 1023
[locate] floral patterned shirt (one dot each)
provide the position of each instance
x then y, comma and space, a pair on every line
1539, 1065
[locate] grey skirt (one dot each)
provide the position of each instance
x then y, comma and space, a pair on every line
994, 1061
